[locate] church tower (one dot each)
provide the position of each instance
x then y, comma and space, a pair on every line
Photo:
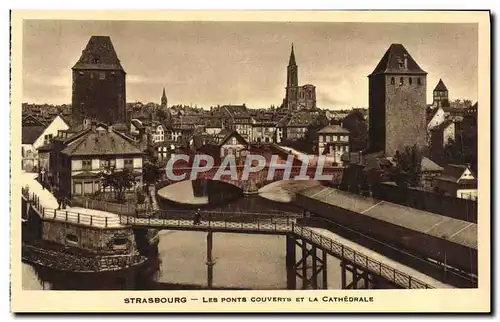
440, 95
164, 101
292, 83
99, 84
397, 102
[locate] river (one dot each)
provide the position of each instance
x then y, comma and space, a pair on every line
242, 261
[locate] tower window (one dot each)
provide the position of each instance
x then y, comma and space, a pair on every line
102, 75
392, 81
401, 81
419, 81
96, 60
410, 80
82, 73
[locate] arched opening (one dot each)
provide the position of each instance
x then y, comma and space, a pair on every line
71, 239
120, 243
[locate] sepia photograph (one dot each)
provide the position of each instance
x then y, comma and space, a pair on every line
179, 159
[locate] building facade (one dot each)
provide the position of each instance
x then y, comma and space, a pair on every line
333, 141
34, 136
397, 102
99, 84
79, 159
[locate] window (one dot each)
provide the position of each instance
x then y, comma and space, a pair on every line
78, 188
392, 81
401, 81
327, 138
81, 74
128, 163
96, 60
102, 75
88, 188
71, 239
419, 81
109, 163
321, 138
410, 81
87, 164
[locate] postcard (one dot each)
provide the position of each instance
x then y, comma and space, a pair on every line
250, 161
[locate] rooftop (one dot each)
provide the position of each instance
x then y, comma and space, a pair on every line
99, 54
101, 142
393, 62
333, 129
458, 231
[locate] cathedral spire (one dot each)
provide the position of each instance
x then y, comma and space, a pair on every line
164, 98
292, 58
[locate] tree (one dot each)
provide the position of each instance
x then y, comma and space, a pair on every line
408, 166
464, 149
358, 129
119, 181
151, 172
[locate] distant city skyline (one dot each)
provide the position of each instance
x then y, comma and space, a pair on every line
211, 63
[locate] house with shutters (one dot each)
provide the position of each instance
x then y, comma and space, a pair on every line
333, 141
80, 158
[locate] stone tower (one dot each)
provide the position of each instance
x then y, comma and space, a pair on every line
440, 95
292, 83
397, 102
99, 84
164, 101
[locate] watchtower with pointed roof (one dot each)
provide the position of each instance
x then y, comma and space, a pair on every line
397, 102
440, 95
99, 84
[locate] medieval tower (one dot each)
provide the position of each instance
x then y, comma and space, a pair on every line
440, 95
397, 102
99, 84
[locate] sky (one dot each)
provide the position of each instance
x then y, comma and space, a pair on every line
210, 63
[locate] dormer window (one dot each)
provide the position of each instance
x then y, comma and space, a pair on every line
401, 64
96, 60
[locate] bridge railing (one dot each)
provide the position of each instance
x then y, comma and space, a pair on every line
255, 224
79, 218
227, 216
389, 273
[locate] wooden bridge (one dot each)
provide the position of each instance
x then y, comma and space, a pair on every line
288, 225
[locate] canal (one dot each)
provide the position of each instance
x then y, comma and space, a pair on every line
243, 261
